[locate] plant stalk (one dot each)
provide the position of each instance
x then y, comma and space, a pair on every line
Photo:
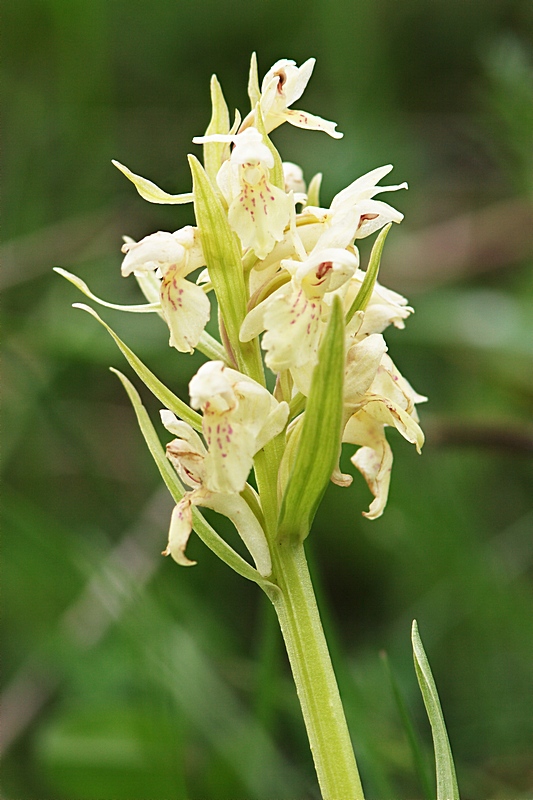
313, 674
301, 627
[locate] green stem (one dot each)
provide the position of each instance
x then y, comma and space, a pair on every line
313, 675
307, 649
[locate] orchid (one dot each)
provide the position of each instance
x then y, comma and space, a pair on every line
283, 84
295, 315
258, 211
284, 273
188, 455
373, 214
376, 395
239, 418
173, 256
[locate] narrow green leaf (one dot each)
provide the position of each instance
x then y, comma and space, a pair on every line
222, 253
367, 287
216, 152
254, 92
447, 788
145, 308
412, 737
157, 388
319, 445
149, 191
276, 173
206, 533
206, 344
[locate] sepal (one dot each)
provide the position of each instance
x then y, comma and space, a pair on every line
215, 153
149, 191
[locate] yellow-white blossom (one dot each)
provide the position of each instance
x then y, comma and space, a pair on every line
239, 417
172, 256
376, 395
283, 84
373, 214
188, 455
295, 315
258, 211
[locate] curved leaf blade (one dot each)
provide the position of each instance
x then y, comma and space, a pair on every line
150, 191
447, 788
367, 287
168, 398
318, 449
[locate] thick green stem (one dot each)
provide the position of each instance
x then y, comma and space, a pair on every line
307, 649
314, 677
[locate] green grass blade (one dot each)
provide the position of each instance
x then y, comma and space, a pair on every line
412, 737
157, 388
447, 788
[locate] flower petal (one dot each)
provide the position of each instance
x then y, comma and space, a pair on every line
373, 459
303, 119
149, 191
259, 215
186, 309
179, 532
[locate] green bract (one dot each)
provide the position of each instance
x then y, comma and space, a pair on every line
319, 444
223, 258
215, 153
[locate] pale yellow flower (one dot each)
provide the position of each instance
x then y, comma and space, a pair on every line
173, 256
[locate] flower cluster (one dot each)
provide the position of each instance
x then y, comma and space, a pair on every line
278, 263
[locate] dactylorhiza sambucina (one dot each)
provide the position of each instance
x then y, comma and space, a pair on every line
292, 300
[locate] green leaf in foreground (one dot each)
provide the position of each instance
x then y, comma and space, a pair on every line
412, 737
157, 388
318, 449
367, 287
206, 533
447, 788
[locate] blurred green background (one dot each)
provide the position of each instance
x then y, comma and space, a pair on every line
127, 678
